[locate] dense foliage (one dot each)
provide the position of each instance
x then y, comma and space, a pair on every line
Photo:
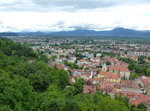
27, 83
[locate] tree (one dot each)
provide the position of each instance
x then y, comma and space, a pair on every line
108, 63
133, 76
142, 106
43, 58
132, 66
141, 59
148, 72
69, 91
63, 79
79, 85
40, 81
52, 100
66, 62
16, 93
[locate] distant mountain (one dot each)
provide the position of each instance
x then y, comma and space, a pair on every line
39, 33
8, 34
117, 32
75, 32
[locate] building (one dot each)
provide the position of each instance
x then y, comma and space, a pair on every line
144, 82
82, 61
130, 86
109, 76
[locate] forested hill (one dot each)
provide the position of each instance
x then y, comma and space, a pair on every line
27, 83
8, 34
116, 32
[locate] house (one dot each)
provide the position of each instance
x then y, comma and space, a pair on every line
60, 66
59, 60
112, 69
71, 50
75, 72
55, 54
109, 76
106, 58
130, 86
95, 59
72, 80
96, 81
87, 54
72, 58
115, 78
124, 72
144, 82
98, 55
104, 67
51, 64
95, 71
135, 58
82, 61
89, 89
112, 61
86, 76
147, 60
106, 87
31, 61
60, 51
136, 99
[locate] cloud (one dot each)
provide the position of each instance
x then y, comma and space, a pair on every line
57, 15
75, 4
1, 22
66, 5
87, 4
48, 5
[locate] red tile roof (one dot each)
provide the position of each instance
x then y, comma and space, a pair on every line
106, 87
60, 66
124, 69
95, 58
129, 84
146, 81
136, 99
89, 89
109, 75
112, 60
118, 68
111, 68
82, 60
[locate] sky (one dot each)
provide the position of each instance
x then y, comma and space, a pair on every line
65, 15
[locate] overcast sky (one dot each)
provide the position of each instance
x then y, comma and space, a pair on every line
59, 15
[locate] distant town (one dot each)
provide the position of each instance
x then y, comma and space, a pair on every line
114, 66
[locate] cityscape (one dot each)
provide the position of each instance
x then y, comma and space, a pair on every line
112, 66
75, 55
